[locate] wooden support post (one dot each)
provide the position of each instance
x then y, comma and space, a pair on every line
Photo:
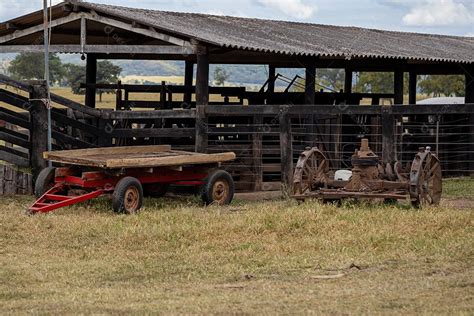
412, 81
469, 83
257, 146
348, 81
286, 150
91, 78
83, 35
388, 135
39, 127
310, 83
188, 82
271, 78
202, 98
163, 96
398, 87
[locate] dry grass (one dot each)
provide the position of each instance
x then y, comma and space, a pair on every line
253, 257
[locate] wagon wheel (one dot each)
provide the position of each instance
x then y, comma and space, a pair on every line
311, 171
425, 180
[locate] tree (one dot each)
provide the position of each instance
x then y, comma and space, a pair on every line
107, 73
27, 66
220, 76
332, 79
442, 85
375, 82
76, 75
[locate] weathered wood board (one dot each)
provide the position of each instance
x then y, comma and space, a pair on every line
135, 157
14, 181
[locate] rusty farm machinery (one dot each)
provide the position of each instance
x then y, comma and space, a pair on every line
421, 181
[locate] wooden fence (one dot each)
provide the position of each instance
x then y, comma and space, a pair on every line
266, 138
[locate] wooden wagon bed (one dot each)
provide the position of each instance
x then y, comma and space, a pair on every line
135, 157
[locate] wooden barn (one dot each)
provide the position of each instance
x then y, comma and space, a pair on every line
266, 128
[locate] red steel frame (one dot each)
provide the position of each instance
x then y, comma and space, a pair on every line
97, 183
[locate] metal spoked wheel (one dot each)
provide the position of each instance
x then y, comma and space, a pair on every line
425, 180
311, 171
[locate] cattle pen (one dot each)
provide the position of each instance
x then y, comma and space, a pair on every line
267, 128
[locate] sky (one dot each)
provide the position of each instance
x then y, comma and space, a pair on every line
450, 17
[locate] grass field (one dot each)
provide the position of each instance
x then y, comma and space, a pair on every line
251, 257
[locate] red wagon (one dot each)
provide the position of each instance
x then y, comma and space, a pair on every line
129, 174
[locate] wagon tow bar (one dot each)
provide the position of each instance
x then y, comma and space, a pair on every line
53, 200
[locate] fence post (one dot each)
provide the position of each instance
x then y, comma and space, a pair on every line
388, 135
469, 86
286, 150
202, 97
257, 153
39, 126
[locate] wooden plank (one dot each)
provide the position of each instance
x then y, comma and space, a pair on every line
286, 145
59, 117
14, 138
412, 83
271, 79
153, 132
257, 146
310, 82
77, 106
72, 141
398, 87
171, 161
136, 115
269, 110
91, 78
388, 135
107, 151
40, 27
15, 118
348, 81
83, 34
14, 159
10, 181
14, 99
15, 83
188, 81
15, 151
100, 49
2, 179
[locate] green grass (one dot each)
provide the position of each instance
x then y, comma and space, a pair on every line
253, 257
459, 188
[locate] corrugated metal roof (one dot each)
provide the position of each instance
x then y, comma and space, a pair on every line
303, 39
300, 38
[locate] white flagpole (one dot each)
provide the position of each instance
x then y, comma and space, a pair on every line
46, 70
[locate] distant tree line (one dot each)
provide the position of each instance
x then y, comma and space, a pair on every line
28, 66
383, 82
31, 66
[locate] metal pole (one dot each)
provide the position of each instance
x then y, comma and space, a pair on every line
46, 70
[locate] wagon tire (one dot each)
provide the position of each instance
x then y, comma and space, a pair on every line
45, 181
218, 188
155, 190
128, 196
